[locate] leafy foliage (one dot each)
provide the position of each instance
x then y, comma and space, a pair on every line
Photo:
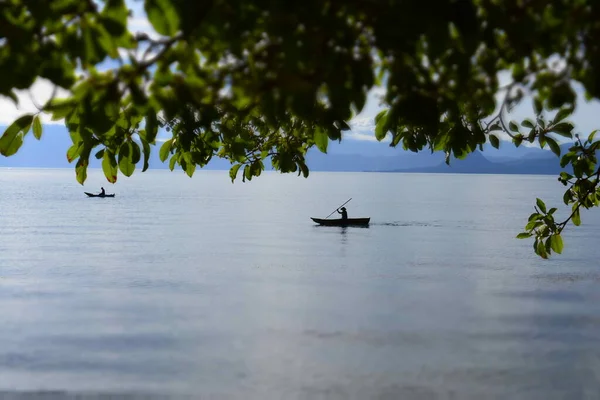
251, 80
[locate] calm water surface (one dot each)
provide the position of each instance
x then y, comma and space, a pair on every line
199, 287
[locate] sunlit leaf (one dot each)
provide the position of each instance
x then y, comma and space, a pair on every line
163, 16
109, 166
165, 149
576, 218
381, 126
321, 139
541, 205
233, 171
81, 170
557, 243
12, 138
37, 127
126, 165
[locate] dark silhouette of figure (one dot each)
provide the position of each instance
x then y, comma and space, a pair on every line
102, 192
343, 212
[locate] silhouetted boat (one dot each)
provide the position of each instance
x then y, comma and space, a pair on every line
99, 195
342, 222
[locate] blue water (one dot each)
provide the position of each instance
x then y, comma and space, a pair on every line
205, 288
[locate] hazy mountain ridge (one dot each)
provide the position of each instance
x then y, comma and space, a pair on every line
349, 156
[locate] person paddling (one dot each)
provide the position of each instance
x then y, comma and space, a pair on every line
343, 212
102, 192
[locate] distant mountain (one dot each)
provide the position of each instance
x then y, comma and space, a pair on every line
475, 163
350, 155
51, 152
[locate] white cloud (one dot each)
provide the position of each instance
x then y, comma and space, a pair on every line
365, 137
39, 92
363, 123
139, 24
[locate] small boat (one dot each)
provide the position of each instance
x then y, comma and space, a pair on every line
342, 222
99, 195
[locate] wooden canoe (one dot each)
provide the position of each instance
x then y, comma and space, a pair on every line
99, 195
342, 222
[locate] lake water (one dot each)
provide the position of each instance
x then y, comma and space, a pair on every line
205, 288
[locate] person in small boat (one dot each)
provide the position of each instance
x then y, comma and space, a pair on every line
102, 192
343, 212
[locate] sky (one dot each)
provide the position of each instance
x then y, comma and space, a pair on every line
362, 124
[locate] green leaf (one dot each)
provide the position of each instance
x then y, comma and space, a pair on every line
553, 146
165, 149
151, 125
109, 166
172, 162
576, 218
494, 141
541, 249
12, 138
517, 140
163, 16
303, 169
13, 147
135, 153
37, 127
537, 106
533, 224
146, 149
89, 47
105, 41
563, 129
114, 17
100, 154
74, 151
562, 114
61, 108
541, 205
534, 217
321, 139
513, 126
81, 170
190, 167
125, 159
556, 243
591, 136
568, 196
524, 235
381, 125
565, 176
247, 173
542, 140
233, 171
528, 124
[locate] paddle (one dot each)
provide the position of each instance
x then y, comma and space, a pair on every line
338, 208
